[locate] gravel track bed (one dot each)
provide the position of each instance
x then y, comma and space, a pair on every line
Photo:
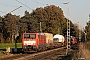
46, 55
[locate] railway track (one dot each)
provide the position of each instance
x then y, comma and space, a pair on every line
50, 54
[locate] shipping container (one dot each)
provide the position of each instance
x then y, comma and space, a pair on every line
49, 38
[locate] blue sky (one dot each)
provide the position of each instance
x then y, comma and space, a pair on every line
79, 9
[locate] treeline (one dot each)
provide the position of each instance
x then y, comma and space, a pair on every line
51, 17
87, 31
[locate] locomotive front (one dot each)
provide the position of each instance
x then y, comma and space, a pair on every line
33, 42
28, 42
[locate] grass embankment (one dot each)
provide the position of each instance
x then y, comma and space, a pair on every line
84, 51
11, 45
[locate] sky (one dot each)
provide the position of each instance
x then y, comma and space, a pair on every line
79, 9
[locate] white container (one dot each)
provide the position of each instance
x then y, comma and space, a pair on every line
60, 38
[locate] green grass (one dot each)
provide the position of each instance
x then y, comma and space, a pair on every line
11, 45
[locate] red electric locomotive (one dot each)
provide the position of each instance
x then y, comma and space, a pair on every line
33, 42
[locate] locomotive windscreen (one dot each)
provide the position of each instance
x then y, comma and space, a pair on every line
32, 35
29, 35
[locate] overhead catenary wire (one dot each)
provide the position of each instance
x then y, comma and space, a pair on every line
12, 10
39, 3
24, 5
8, 5
20, 3
15, 9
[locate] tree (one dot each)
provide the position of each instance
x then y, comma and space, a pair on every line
10, 26
51, 17
87, 30
1, 30
1, 24
30, 23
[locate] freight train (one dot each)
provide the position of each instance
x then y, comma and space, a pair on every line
33, 41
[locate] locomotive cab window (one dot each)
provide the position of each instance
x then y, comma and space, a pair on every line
29, 35
32, 35
26, 36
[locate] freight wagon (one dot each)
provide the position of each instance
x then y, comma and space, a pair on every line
49, 40
59, 40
